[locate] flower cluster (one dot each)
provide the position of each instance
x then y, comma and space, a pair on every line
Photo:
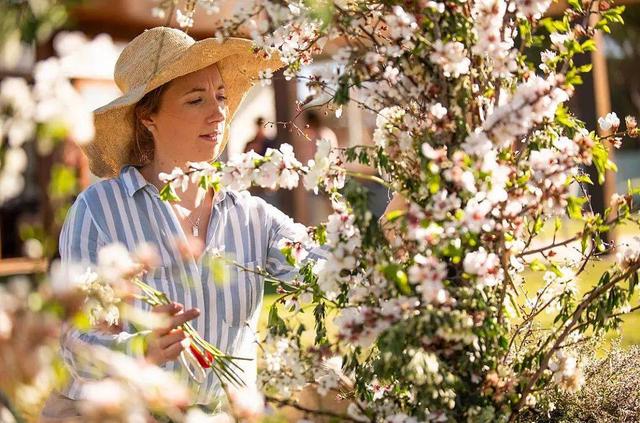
28, 342
451, 57
131, 390
494, 42
49, 110
533, 101
566, 372
361, 326
283, 372
484, 266
628, 253
344, 241
324, 169
429, 272
17, 127
104, 285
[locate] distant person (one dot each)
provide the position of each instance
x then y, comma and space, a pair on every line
319, 206
260, 141
315, 130
259, 145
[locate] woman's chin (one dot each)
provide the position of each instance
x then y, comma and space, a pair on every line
210, 153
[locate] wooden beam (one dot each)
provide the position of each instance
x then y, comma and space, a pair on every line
22, 266
602, 97
124, 19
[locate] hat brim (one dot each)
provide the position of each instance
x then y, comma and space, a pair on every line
114, 123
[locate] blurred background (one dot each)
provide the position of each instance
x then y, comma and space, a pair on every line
57, 60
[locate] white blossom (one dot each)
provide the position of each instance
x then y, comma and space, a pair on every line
533, 101
438, 111
401, 24
247, 402
477, 215
115, 263
532, 9
609, 122
184, 20
566, 372
451, 57
265, 77
628, 252
559, 40
485, 266
386, 125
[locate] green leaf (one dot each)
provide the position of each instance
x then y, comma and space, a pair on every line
585, 68
604, 279
394, 214
167, 193
275, 322
220, 271
63, 181
583, 178
503, 342
394, 273
321, 234
584, 241
537, 227
287, 252
600, 160
589, 45
574, 206
537, 265
557, 224
576, 5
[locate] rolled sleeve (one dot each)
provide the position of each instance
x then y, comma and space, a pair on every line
282, 227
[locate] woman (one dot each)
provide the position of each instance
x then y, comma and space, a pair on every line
179, 97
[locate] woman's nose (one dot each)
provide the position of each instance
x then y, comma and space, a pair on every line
217, 113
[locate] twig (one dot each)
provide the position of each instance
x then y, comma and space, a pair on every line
293, 404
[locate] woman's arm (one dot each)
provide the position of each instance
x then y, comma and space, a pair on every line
80, 240
281, 226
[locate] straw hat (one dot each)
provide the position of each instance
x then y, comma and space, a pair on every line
154, 58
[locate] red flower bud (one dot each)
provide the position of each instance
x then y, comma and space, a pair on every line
205, 363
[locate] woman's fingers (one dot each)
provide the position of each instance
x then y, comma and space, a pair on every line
183, 317
173, 351
171, 338
166, 343
178, 316
171, 308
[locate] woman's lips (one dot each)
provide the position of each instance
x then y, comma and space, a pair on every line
210, 137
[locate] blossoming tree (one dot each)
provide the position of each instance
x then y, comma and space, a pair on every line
424, 315
431, 318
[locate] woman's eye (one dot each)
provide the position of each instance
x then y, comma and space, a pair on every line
196, 101
221, 97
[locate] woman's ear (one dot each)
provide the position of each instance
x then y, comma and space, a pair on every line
148, 123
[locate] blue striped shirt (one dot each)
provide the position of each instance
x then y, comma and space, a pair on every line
129, 210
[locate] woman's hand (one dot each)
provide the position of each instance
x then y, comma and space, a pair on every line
397, 203
166, 343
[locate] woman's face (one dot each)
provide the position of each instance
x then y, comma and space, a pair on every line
189, 124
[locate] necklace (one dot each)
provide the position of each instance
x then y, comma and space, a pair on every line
195, 227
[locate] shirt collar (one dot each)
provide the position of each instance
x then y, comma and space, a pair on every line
132, 179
